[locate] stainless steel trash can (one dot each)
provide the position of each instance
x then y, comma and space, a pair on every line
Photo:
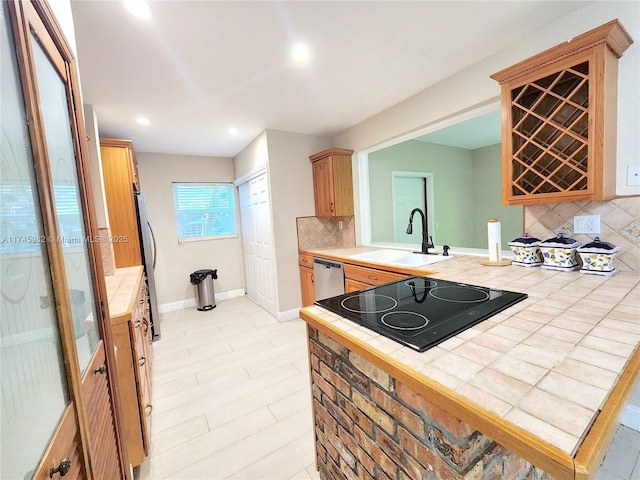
202, 280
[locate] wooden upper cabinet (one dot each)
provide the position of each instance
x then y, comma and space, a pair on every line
120, 177
559, 120
333, 182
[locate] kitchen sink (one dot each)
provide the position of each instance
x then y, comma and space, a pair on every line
400, 257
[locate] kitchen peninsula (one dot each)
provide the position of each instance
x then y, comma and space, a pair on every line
535, 391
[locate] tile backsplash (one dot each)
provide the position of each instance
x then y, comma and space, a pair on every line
619, 225
106, 250
317, 232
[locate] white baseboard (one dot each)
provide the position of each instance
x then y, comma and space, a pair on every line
631, 417
230, 294
191, 302
179, 305
285, 316
288, 315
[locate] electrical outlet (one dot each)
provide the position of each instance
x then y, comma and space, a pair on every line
586, 224
633, 175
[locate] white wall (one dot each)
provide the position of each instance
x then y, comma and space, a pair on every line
291, 189
473, 87
291, 186
252, 157
62, 11
176, 262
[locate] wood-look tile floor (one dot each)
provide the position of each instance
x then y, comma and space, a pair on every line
231, 397
231, 400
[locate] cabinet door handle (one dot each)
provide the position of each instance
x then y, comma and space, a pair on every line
62, 469
142, 361
371, 277
146, 325
331, 206
150, 407
313, 280
101, 369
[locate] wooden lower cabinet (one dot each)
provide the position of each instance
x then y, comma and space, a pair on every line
354, 285
357, 278
142, 355
103, 440
306, 279
63, 456
132, 338
356, 275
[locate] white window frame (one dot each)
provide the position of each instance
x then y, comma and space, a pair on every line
233, 210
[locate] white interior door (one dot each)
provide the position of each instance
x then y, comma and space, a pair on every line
257, 244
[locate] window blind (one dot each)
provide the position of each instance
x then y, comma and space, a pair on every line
205, 210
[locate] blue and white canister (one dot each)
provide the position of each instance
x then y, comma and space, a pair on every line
559, 253
526, 251
597, 257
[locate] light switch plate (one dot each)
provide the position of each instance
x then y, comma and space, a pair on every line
586, 224
633, 175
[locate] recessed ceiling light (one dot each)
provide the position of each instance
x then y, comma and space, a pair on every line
300, 53
233, 131
143, 121
139, 8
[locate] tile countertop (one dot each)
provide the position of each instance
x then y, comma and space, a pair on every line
122, 288
548, 364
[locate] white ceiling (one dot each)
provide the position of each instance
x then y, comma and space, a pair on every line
198, 68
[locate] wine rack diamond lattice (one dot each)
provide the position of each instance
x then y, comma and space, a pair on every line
550, 133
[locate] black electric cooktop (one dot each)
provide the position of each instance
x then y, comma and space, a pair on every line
421, 312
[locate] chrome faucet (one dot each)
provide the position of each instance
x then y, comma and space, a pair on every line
427, 240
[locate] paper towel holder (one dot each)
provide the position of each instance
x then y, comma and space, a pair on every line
494, 263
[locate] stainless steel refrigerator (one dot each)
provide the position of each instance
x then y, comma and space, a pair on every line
148, 244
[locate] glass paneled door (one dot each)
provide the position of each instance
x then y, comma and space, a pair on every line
75, 241
47, 224
73, 236
34, 385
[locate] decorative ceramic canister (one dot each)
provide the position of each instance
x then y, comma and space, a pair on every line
526, 251
597, 257
560, 253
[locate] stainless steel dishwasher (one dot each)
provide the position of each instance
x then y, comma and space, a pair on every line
328, 278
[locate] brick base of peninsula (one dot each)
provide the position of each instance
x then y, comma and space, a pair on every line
369, 425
